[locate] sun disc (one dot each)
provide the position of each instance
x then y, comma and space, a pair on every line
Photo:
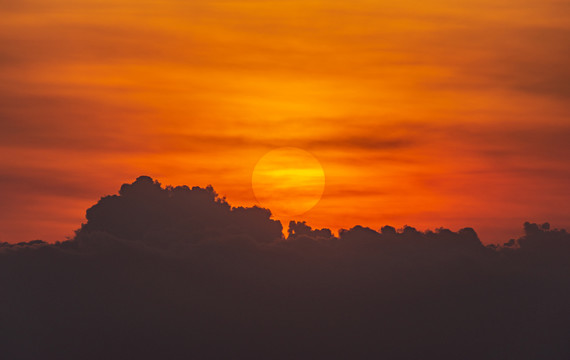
289, 181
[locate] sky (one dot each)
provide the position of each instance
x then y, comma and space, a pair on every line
426, 113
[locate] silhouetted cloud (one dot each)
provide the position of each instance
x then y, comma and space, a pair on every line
176, 272
146, 212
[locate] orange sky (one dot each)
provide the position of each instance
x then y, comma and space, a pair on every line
427, 113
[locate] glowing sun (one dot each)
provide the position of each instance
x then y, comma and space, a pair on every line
289, 181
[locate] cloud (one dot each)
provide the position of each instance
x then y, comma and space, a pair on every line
145, 211
176, 272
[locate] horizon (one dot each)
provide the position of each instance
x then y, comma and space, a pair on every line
286, 222
148, 212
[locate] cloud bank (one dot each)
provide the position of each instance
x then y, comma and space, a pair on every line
176, 272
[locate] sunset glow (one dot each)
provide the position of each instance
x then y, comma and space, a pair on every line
427, 113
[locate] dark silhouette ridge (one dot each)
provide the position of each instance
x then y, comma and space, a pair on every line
177, 273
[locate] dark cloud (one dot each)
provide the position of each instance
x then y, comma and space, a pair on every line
541, 70
527, 58
56, 183
145, 211
48, 122
376, 142
176, 272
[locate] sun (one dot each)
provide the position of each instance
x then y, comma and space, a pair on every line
289, 181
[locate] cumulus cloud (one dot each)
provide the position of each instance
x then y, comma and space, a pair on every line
176, 272
145, 211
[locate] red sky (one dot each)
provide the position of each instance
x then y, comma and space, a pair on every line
426, 113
